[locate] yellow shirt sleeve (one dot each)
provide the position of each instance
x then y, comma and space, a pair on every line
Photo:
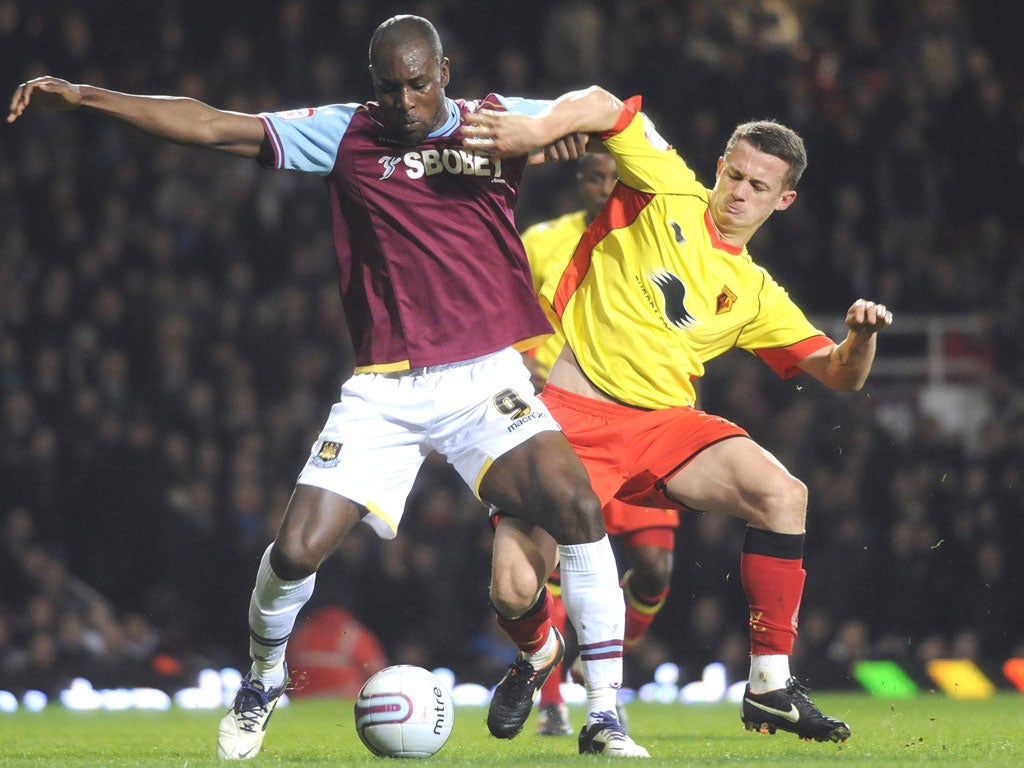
647, 163
779, 323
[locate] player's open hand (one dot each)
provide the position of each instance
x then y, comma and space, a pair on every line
47, 92
501, 134
867, 317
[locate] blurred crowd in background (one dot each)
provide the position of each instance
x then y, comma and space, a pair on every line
171, 336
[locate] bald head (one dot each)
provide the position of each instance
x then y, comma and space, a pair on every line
409, 74
404, 31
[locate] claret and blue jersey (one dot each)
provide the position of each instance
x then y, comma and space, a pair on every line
430, 265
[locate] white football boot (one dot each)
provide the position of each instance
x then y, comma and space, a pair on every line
242, 729
607, 737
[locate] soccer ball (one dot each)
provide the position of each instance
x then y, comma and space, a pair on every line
404, 711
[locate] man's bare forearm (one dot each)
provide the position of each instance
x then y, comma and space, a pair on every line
180, 120
504, 134
851, 362
591, 110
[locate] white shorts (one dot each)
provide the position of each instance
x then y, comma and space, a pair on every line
385, 424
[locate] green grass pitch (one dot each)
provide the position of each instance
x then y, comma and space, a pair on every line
930, 729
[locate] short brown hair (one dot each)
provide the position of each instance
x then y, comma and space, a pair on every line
776, 139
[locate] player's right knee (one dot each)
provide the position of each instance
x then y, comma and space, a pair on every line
292, 563
784, 506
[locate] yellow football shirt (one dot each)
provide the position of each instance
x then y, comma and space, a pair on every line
651, 293
549, 246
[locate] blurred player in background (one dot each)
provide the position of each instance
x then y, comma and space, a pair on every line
660, 283
647, 535
438, 299
550, 244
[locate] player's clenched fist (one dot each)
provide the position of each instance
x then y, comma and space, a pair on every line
48, 92
867, 317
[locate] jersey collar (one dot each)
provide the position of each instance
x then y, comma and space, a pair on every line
716, 239
449, 125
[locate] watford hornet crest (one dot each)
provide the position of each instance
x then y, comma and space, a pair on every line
674, 293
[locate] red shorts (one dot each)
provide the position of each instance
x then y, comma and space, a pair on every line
636, 526
621, 519
630, 453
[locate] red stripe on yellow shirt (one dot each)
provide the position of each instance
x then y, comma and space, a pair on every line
620, 211
783, 360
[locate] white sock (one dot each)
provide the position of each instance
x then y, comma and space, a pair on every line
601, 701
769, 672
273, 608
544, 654
593, 600
268, 676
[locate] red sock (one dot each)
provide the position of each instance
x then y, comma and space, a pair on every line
774, 583
551, 691
531, 630
640, 610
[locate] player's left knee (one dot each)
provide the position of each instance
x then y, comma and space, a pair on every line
579, 521
652, 574
514, 590
511, 600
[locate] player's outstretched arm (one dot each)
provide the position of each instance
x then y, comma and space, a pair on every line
506, 134
845, 367
176, 119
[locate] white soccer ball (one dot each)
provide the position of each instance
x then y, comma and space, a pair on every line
404, 711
